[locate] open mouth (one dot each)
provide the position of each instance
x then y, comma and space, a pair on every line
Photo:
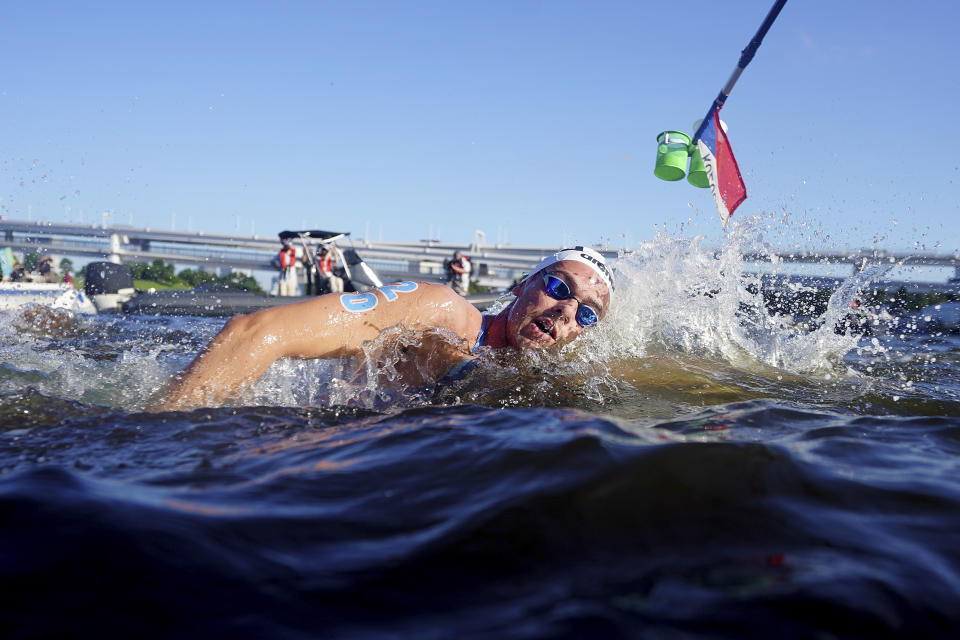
546, 326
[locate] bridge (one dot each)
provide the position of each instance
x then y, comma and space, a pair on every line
494, 265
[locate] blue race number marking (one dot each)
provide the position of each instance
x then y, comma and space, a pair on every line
357, 302
360, 302
390, 291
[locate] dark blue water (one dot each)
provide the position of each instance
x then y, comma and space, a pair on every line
685, 489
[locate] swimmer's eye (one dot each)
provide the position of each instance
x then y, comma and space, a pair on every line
560, 290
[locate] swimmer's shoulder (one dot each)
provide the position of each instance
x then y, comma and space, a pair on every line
440, 296
440, 293
440, 305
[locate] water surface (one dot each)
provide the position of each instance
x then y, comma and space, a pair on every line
693, 469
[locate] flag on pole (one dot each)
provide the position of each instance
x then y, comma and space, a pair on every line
721, 167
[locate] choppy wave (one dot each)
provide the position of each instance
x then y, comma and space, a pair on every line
499, 523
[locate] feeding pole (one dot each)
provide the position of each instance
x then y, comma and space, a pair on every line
745, 57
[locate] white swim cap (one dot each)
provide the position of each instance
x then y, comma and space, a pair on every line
585, 255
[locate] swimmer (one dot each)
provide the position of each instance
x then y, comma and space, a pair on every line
565, 294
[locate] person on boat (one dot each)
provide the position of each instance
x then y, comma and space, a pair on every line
68, 278
458, 276
46, 270
565, 294
465, 269
331, 282
19, 273
287, 263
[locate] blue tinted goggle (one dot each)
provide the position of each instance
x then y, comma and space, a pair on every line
558, 290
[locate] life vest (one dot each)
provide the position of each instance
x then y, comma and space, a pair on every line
288, 257
325, 265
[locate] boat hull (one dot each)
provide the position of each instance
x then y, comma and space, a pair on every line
15, 295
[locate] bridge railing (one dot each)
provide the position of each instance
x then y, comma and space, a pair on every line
492, 264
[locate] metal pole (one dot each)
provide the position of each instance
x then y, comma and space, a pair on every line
745, 57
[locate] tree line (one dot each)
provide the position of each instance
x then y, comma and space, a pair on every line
164, 273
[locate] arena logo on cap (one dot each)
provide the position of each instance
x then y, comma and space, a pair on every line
600, 265
584, 255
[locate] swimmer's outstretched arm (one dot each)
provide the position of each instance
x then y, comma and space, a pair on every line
330, 326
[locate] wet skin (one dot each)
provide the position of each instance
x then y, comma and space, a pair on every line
536, 320
533, 321
335, 326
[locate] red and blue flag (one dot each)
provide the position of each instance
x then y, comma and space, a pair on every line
722, 170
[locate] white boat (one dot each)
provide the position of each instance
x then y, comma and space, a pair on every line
14, 295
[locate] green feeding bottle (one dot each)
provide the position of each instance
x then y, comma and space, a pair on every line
672, 151
697, 176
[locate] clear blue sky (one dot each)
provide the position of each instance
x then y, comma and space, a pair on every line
533, 121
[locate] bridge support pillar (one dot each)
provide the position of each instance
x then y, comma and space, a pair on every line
116, 249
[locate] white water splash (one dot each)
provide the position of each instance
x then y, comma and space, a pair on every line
677, 295
90, 359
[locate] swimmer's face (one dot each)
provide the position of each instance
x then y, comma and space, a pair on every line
537, 320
